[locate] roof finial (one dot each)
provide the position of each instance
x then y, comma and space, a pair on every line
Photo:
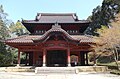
56, 24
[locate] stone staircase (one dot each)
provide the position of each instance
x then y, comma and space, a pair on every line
63, 70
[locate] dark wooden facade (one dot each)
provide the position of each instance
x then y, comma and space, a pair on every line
55, 40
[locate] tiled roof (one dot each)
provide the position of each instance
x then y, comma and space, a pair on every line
83, 38
56, 17
40, 22
23, 39
29, 39
55, 29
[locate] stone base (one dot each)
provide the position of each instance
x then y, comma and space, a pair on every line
19, 69
18, 65
44, 65
69, 65
92, 68
50, 70
76, 69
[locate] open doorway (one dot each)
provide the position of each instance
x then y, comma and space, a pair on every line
56, 58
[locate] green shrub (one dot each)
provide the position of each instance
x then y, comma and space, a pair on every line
115, 72
105, 59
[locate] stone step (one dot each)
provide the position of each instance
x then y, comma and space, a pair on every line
42, 70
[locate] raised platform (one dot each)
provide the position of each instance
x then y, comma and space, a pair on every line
71, 69
42, 70
92, 68
18, 69
55, 70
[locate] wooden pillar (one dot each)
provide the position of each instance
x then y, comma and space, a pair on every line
31, 58
26, 59
34, 58
82, 58
18, 64
44, 57
78, 58
86, 58
94, 58
68, 57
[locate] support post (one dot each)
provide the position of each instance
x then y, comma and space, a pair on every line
86, 58
78, 58
18, 64
82, 58
34, 58
68, 57
44, 57
26, 59
94, 58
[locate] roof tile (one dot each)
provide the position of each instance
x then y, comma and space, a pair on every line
56, 17
29, 39
55, 28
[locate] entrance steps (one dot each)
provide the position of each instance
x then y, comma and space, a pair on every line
43, 70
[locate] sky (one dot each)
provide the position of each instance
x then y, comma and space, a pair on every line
27, 9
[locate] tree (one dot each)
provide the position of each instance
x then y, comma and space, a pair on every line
5, 54
109, 39
18, 29
102, 15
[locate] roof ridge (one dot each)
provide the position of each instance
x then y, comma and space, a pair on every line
53, 14
74, 16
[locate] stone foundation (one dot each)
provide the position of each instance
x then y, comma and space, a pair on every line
17, 69
92, 68
76, 69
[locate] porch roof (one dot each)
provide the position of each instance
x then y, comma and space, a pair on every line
29, 39
54, 30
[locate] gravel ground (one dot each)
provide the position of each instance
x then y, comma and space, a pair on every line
31, 75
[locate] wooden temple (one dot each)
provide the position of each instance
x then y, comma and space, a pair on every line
56, 39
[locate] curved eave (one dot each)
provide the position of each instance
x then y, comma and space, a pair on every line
65, 22
47, 34
54, 30
30, 25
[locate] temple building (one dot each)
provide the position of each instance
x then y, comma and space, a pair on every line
55, 39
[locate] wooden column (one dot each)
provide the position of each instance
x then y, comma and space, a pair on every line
30, 58
26, 59
86, 58
68, 57
18, 64
94, 58
82, 58
78, 58
44, 57
34, 58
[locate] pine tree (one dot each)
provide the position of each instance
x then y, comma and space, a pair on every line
102, 15
5, 54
